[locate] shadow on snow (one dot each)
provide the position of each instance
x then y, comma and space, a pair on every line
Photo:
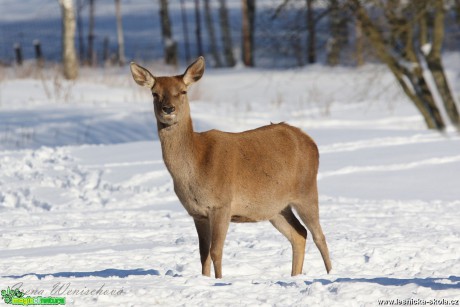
104, 273
434, 283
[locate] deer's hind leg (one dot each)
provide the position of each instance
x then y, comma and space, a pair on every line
292, 229
309, 213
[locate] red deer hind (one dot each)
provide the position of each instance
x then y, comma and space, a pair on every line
220, 177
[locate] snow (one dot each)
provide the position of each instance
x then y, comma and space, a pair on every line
87, 205
426, 49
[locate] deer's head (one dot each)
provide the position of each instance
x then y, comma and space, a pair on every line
169, 93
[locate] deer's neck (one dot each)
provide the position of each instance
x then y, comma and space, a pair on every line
178, 145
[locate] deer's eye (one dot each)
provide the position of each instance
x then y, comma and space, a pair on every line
183, 92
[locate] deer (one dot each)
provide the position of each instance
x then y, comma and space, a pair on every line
221, 177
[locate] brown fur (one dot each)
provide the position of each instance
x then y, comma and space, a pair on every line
220, 177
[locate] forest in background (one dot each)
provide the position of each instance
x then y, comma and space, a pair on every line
284, 33
407, 36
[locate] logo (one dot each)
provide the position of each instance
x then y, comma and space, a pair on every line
16, 297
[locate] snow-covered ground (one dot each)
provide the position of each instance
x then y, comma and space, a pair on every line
86, 202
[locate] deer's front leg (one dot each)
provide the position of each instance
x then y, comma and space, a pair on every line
204, 238
220, 220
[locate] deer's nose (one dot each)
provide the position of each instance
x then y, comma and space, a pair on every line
168, 109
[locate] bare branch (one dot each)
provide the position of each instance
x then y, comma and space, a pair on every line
279, 9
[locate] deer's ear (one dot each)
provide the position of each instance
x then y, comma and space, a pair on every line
142, 76
194, 71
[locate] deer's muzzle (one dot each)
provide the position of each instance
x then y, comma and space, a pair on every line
168, 109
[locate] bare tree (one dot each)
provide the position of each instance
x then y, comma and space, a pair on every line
211, 33
226, 34
333, 44
120, 38
198, 28
359, 43
69, 54
185, 30
91, 57
248, 18
311, 21
81, 44
338, 29
311, 30
433, 57
457, 11
402, 51
170, 45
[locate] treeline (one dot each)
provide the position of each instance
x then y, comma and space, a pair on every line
407, 36
284, 32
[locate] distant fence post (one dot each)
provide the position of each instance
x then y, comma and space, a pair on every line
18, 53
38, 52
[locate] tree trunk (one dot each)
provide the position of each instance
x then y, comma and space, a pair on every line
81, 44
198, 28
437, 70
457, 11
333, 43
433, 59
248, 31
403, 31
422, 22
120, 38
359, 49
105, 50
226, 34
69, 55
211, 33
311, 39
185, 30
91, 55
170, 46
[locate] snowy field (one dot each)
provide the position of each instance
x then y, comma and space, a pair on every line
86, 202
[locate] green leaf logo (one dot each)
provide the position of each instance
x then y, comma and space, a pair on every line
9, 294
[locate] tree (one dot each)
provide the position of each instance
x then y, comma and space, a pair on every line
338, 29
359, 43
433, 57
211, 33
91, 57
248, 18
311, 30
69, 54
120, 38
170, 45
185, 30
457, 11
311, 21
226, 35
397, 45
198, 28
81, 44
